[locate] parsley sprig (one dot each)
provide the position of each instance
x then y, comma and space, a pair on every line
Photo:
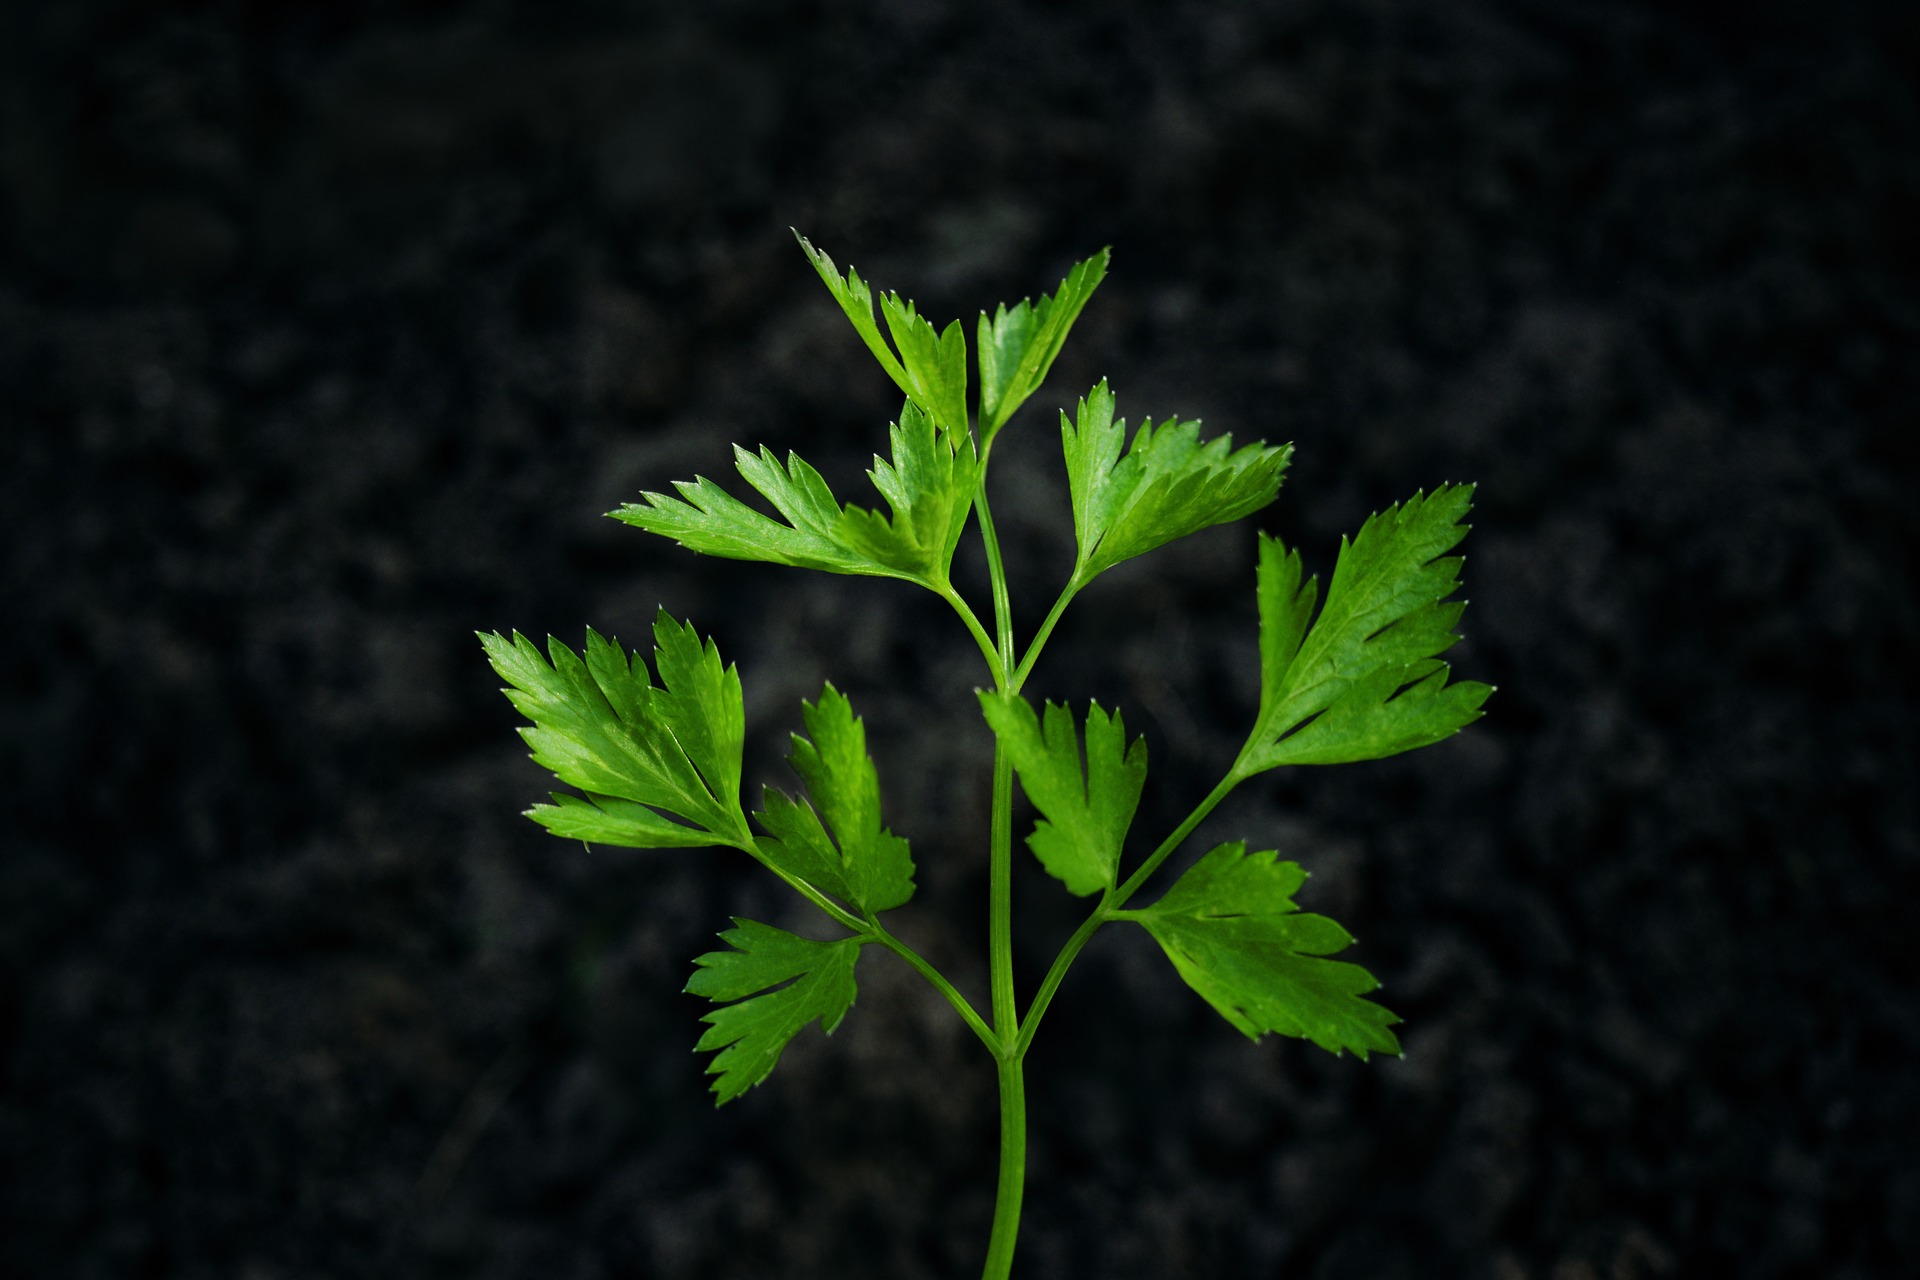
658, 765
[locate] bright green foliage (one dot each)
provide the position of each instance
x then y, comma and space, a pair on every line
861, 862
751, 1033
612, 821
1018, 345
1167, 486
1086, 815
931, 369
659, 766
1231, 928
601, 725
1366, 681
708, 519
929, 484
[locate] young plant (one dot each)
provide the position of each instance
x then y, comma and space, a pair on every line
658, 765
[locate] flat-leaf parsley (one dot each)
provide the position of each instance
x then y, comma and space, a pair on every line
658, 766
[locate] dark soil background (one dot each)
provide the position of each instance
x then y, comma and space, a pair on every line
327, 330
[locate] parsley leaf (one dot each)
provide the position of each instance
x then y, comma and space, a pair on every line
1167, 486
1366, 681
1231, 928
861, 862
1087, 815
1018, 345
929, 484
751, 1033
931, 369
707, 519
601, 725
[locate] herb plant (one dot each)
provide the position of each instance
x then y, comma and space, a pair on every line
658, 765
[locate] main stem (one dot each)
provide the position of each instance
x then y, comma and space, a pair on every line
1006, 1014
1013, 1171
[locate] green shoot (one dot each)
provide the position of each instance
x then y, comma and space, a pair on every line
658, 766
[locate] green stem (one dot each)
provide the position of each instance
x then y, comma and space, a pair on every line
871, 929
1110, 904
839, 913
1056, 974
997, 571
1000, 862
1039, 640
1000, 903
926, 970
979, 632
1173, 841
1013, 1171
1006, 1013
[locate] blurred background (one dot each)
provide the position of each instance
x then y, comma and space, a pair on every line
329, 330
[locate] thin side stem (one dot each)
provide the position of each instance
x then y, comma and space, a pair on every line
967, 1012
1013, 1171
839, 913
872, 929
1113, 901
1173, 841
1056, 974
979, 632
997, 571
1039, 640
